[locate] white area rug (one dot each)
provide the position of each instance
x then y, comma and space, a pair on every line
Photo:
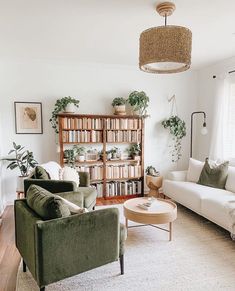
200, 257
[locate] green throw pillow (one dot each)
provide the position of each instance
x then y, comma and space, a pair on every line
214, 176
46, 204
41, 173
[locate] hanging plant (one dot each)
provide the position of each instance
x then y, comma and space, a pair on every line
177, 129
60, 106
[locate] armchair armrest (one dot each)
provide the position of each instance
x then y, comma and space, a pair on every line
177, 175
77, 243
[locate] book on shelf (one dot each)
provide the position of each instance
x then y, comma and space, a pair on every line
75, 136
123, 171
123, 123
75, 123
116, 188
123, 136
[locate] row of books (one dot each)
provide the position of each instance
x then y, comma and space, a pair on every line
99, 189
123, 136
82, 123
123, 123
82, 136
123, 171
95, 172
123, 188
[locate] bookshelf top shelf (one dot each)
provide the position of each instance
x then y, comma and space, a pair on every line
99, 116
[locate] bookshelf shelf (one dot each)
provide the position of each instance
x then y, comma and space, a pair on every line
105, 130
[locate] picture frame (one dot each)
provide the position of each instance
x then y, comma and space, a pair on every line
28, 117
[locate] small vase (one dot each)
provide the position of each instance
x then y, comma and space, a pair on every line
81, 158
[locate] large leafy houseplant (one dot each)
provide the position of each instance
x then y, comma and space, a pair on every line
177, 129
60, 106
22, 159
139, 101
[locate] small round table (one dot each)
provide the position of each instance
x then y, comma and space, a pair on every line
161, 211
154, 183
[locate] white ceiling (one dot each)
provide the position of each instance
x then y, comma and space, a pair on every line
107, 31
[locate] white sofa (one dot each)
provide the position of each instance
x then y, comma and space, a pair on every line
217, 205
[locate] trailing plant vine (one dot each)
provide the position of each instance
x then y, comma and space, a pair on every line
177, 129
60, 105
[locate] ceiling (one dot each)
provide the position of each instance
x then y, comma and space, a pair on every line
107, 31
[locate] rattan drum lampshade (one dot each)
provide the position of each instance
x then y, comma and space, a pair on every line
165, 49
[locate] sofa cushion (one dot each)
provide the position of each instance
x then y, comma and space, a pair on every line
230, 183
46, 204
217, 208
214, 175
52, 169
194, 170
41, 173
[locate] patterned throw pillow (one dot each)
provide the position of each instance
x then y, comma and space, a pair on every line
69, 174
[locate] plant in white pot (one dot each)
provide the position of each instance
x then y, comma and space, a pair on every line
65, 104
139, 101
119, 105
23, 160
79, 153
134, 151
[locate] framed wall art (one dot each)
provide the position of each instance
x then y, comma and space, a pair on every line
28, 117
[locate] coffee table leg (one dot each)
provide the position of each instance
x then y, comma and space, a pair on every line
170, 231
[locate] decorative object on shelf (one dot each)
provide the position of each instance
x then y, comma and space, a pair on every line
204, 130
177, 129
23, 160
69, 155
134, 151
151, 171
28, 117
115, 153
154, 183
165, 49
92, 155
119, 104
139, 101
65, 104
79, 153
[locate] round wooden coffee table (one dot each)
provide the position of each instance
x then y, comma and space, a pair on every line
161, 211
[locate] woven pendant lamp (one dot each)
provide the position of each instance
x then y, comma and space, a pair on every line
165, 49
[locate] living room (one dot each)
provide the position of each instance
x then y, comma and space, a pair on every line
90, 51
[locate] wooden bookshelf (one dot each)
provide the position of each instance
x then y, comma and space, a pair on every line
106, 130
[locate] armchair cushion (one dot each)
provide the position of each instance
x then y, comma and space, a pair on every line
41, 173
45, 204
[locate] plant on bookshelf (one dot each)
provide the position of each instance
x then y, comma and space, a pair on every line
139, 101
69, 156
115, 153
79, 153
119, 104
134, 151
60, 106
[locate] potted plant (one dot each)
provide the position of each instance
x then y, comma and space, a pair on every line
66, 104
139, 101
115, 153
80, 153
134, 151
23, 160
69, 155
119, 104
177, 129
151, 171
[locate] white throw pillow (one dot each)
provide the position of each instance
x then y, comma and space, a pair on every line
69, 174
194, 170
230, 183
52, 169
73, 208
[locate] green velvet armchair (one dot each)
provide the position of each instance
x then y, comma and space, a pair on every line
83, 196
59, 248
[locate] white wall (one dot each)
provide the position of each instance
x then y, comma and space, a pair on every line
206, 95
95, 85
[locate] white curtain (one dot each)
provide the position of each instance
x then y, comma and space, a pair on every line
221, 131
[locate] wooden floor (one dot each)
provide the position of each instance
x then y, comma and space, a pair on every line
9, 256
